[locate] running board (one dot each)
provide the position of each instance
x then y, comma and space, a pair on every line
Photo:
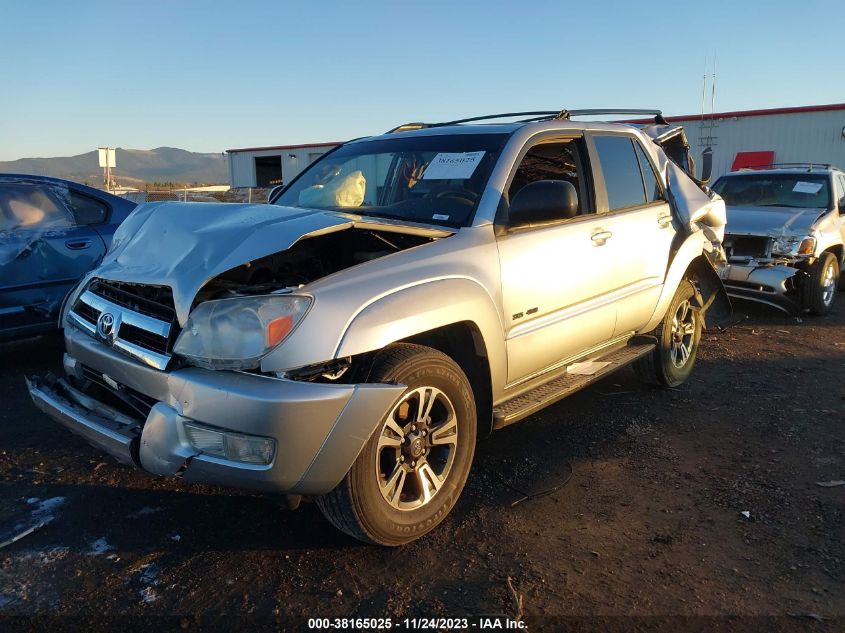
558, 388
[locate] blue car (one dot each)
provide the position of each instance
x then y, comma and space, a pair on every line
52, 232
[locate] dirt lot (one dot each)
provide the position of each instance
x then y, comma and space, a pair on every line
681, 505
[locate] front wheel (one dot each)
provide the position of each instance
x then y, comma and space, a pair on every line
412, 470
821, 284
678, 336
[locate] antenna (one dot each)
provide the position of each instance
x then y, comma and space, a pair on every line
706, 128
713, 89
703, 89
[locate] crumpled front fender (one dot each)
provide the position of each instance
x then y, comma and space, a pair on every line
425, 307
690, 258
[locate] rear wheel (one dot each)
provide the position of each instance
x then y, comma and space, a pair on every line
821, 285
678, 336
412, 470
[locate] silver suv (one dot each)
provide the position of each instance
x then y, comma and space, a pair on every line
404, 295
785, 235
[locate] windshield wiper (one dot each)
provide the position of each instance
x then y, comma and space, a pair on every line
377, 214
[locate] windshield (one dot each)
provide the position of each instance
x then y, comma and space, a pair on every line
430, 179
775, 190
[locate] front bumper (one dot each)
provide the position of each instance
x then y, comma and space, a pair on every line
775, 285
319, 428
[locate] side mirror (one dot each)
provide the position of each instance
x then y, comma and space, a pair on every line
543, 201
706, 165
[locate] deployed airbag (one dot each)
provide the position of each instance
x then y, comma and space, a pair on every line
340, 191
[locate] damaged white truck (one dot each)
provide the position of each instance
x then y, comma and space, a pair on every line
402, 296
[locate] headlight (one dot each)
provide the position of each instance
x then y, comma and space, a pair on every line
237, 333
794, 245
785, 245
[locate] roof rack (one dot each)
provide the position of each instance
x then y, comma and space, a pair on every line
807, 166
541, 115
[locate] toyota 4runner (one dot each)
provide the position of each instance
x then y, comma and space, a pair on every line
403, 295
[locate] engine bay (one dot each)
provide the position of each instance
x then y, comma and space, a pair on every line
307, 260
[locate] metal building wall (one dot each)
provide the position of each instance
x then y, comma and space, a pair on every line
794, 137
294, 160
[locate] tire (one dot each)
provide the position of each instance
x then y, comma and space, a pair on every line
821, 285
678, 336
375, 502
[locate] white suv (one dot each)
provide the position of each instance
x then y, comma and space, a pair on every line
785, 234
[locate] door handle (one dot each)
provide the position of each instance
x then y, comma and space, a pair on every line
600, 237
664, 220
78, 245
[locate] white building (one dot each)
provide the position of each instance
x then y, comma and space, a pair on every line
753, 138
745, 138
270, 166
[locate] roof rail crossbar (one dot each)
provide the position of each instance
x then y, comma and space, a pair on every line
657, 114
405, 127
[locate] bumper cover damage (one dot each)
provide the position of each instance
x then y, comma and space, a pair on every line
778, 286
319, 429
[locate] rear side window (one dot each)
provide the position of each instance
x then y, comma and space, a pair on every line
556, 160
25, 206
87, 210
652, 189
622, 177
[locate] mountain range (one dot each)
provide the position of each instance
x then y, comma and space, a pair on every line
134, 167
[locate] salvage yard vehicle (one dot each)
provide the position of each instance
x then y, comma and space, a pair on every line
785, 235
52, 232
404, 295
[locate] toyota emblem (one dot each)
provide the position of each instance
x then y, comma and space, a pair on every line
105, 325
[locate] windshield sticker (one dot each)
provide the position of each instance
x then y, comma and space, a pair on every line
807, 187
452, 166
439, 216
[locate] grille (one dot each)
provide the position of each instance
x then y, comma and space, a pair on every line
154, 301
135, 400
747, 246
142, 337
143, 323
87, 312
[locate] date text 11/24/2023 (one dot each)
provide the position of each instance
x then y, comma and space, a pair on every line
488, 622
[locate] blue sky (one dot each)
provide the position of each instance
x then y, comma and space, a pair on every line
208, 75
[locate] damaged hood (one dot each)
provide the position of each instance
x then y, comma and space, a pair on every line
184, 245
771, 221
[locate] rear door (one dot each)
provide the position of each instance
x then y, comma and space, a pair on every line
44, 251
635, 212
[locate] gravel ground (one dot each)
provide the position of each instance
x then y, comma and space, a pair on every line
689, 509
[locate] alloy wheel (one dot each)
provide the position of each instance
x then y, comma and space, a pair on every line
416, 448
683, 334
828, 285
